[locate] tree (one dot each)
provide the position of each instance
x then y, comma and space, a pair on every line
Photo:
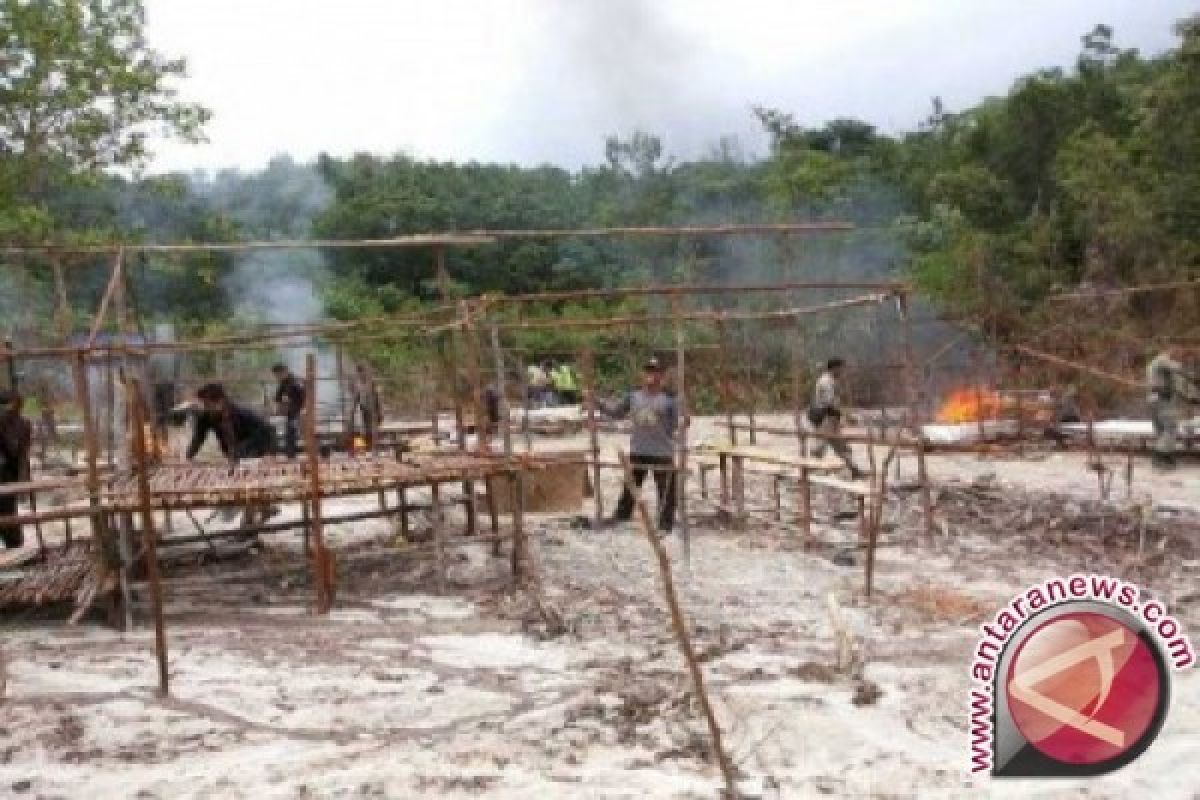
81, 90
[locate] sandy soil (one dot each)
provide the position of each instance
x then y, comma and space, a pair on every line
403, 693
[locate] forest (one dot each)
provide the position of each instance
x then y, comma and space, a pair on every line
1087, 176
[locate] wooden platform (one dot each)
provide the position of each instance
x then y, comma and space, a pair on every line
278, 480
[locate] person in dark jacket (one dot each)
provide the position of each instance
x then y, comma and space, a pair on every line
16, 434
240, 432
289, 400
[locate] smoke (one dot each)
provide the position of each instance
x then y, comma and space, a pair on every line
277, 288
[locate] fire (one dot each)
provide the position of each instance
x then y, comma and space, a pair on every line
969, 405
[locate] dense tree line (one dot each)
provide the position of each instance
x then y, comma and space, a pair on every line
1083, 176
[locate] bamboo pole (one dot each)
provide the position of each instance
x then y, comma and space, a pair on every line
91, 456
680, 478
726, 381
588, 360
441, 240
681, 632
114, 281
321, 568
780, 315
914, 416
470, 338
696, 288
149, 536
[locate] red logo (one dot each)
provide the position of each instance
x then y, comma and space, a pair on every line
1084, 689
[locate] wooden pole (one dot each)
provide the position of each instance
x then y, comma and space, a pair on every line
347, 418
114, 281
439, 532
321, 567
681, 435
62, 310
149, 536
478, 409
680, 626
102, 543
726, 378
506, 429
914, 414
588, 360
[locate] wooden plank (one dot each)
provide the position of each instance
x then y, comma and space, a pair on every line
859, 488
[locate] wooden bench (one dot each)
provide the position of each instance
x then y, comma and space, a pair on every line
807, 472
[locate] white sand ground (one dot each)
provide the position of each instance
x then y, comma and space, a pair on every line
400, 693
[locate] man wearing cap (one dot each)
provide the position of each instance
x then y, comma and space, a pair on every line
825, 415
16, 434
655, 417
289, 400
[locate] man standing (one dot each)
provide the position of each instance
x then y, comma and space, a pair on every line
1167, 387
240, 432
824, 416
16, 434
289, 401
654, 415
364, 400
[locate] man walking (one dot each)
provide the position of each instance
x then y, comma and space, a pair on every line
289, 401
1167, 386
364, 400
654, 415
824, 416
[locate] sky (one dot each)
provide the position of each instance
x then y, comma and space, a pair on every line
545, 81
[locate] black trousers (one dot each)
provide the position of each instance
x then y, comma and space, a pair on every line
12, 535
291, 434
664, 484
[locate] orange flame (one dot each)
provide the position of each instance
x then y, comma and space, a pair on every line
969, 405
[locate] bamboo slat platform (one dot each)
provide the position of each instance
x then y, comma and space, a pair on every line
276, 480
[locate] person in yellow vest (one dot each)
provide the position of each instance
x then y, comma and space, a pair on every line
566, 384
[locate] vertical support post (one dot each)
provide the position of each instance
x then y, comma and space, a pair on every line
681, 435
347, 419
478, 408
588, 359
806, 506
506, 429
322, 569
62, 310
914, 413
725, 378
102, 542
526, 404
435, 508
149, 536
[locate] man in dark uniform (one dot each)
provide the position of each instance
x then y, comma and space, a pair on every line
240, 432
16, 434
289, 400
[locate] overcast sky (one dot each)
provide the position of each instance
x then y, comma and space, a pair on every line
536, 81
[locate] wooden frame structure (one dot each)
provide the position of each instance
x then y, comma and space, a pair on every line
130, 484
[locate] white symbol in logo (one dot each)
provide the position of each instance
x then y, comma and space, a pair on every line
1021, 686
